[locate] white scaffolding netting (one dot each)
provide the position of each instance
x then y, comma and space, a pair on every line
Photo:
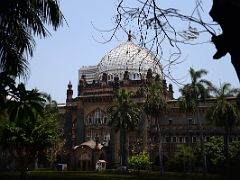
129, 57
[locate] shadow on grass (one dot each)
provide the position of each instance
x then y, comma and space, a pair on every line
74, 175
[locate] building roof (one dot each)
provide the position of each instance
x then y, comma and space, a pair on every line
129, 57
91, 144
101, 161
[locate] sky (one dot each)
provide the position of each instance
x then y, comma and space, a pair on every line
57, 59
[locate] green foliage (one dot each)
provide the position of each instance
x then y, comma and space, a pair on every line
155, 101
183, 155
197, 89
139, 161
215, 151
234, 151
24, 104
215, 154
27, 127
30, 135
223, 113
155, 106
184, 152
20, 22
124, 113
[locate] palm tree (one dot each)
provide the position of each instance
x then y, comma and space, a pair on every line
6, 84
19, 21
26, 130
50, 104
198, 88
23, 104
155, 107
192, 93
224, 113
124, 116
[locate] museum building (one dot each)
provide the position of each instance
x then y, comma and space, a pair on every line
88, 137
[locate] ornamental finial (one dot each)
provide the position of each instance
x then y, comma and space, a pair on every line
129, 36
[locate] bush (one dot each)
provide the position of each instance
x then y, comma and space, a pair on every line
140, 161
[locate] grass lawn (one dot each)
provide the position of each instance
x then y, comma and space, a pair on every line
74, 175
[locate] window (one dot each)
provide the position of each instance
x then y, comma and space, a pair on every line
174, 139
180, 139
105, 120
194, 139
167, 139
97, 117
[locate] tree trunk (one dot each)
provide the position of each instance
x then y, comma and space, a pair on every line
123, 149
235, 59
160, 149
226, 153
145, 134
202, 146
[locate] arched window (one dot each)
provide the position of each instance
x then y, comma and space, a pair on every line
97, 117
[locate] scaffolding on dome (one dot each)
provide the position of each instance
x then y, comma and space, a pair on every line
129, 57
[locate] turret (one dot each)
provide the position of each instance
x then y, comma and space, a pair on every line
116, 83
81, 84
149, 76
126, 78
170, 92
104, 79
69, 91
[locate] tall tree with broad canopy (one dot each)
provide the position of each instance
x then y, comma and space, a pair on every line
27, 127
155, 106
124, 116
20, 21
192, 93
224, 113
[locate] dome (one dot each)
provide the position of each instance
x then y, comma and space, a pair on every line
91, 144
129, 57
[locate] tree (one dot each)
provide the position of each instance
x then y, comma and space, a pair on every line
182, 155
124, 116
155, 106
139, 161
19, 22
27, 127
197, 89
215, 153
50, 105
192, 93
6, 84
224, 113
156, 27
225, 42
24, 104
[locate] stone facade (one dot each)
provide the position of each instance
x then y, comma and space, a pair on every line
85, 120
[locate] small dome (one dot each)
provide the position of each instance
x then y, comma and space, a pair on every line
91, 144
129, 57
